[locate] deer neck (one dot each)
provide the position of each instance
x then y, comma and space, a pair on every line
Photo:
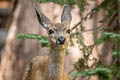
56, 64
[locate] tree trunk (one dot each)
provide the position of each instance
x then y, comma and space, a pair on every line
18, 53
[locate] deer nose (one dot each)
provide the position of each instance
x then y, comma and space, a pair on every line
61, 40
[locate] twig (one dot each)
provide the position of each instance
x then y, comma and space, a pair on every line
109, 20
83, 18
91, 29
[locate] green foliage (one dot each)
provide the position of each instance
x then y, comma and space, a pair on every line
110, 36
107, 36
80, 65
55, 1
102, 72
81, 3
106, 5
116, 53
109, 6
114, 38
116, 71
61, 2
44, 42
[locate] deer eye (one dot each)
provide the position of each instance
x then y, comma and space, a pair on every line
68, 31
50, 31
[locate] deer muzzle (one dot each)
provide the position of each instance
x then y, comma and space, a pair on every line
61, 40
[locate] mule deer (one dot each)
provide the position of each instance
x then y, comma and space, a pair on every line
52, 67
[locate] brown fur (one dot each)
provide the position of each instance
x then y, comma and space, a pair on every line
36, 68
52, 66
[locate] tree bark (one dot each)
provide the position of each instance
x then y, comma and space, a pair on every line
18, 53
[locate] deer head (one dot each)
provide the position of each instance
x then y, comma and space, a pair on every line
58, 32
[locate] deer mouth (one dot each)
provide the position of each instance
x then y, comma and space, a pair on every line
61, 47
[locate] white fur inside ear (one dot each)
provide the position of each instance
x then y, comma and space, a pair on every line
44, 25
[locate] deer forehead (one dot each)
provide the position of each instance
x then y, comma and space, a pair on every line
59, 27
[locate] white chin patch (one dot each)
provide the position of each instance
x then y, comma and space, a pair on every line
57, 42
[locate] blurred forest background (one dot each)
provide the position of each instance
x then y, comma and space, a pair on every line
94, 52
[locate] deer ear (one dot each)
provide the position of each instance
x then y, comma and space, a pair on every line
42, 19
66, 15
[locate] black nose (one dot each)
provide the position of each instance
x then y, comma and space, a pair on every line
61, 40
